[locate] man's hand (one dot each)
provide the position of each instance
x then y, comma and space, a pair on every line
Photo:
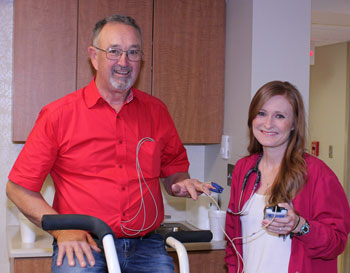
75, 242
190, 188
181, 185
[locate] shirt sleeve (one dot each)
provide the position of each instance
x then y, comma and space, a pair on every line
37, 156
329, 215
232, 225
174, 156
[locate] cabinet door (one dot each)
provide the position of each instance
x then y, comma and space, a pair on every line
32, 265
188, 65
207, 261
50, 51
44, 64
90, 11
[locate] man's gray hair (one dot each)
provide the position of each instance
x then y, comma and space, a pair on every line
117, 18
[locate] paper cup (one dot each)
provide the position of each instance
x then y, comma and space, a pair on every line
217, 224
27, 228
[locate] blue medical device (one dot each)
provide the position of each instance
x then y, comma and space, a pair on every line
217, 187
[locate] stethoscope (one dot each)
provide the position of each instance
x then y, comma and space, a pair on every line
255, 169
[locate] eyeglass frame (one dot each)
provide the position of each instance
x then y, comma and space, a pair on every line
122, 51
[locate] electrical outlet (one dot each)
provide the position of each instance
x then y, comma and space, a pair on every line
229, 173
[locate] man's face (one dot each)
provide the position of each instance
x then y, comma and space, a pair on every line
117, 75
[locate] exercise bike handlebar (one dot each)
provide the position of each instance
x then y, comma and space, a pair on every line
106, 237
196, 236
92, 224
100, 228
76, 221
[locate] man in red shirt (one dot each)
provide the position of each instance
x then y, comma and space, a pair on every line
105, 147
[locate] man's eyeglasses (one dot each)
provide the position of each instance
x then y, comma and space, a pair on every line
133, 55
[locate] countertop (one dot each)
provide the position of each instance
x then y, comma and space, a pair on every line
42, 247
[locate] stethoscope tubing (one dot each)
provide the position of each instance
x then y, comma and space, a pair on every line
256, 170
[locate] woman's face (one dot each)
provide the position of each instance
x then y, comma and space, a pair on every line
273, 124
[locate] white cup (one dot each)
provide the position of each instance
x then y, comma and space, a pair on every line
27, 228
217, 220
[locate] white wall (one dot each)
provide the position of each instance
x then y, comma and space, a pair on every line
281, 43
8, 150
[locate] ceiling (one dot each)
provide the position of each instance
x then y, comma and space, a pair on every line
330, 22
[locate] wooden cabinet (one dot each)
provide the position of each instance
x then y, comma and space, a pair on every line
44, 51
211, 261
183, 63
188, 65
31, 265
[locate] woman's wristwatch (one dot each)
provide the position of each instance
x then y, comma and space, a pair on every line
305, 229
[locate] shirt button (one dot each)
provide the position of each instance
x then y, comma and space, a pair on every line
120, 141
120, 166
123, 188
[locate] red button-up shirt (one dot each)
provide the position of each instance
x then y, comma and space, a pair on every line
90, 151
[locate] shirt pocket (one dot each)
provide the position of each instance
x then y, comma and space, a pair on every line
149, 159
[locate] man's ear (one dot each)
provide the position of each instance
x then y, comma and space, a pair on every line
93, 56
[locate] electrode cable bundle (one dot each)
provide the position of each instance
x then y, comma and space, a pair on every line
142, 180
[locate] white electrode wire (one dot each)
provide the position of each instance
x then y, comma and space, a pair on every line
233, 239
140, 175
226, 235
142, 203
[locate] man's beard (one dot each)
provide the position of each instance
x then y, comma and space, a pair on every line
121, 83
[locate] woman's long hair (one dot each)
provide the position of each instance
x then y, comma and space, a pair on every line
292, 172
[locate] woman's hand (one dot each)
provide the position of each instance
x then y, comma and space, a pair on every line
286, 224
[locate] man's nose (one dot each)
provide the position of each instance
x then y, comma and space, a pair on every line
123, 59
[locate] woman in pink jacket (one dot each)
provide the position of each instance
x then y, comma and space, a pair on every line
312, 228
